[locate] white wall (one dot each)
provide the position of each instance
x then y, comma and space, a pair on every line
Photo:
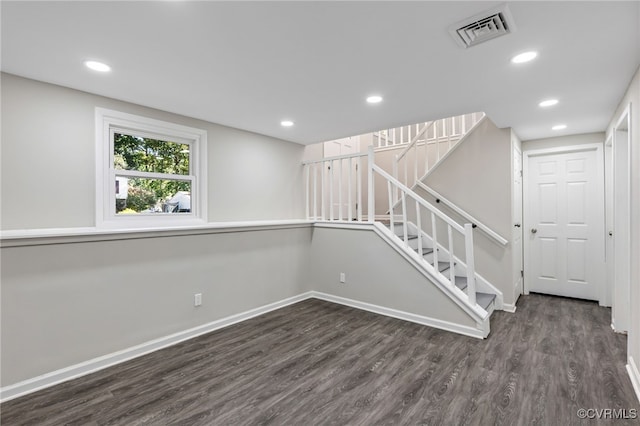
48, 148
633, 96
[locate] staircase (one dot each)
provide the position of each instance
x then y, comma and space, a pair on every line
413, 225
485, 300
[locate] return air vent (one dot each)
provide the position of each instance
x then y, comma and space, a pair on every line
483, 27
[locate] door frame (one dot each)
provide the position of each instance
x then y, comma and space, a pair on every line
599, 149
620, 308
609, 201
517, 226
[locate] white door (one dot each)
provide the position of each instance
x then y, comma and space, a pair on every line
564, 219
341, 190
517, 226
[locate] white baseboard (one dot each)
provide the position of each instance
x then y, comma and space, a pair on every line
96, 364
406, 316
509, 307
91, 366
634, 375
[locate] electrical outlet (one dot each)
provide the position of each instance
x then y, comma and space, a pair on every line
343, 277
197, 299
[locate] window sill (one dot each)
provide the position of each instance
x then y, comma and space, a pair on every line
35, 237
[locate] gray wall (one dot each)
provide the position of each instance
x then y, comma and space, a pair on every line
477, 178
48, 161
64, 304
376, 274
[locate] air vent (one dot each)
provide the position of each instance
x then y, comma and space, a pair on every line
483, 27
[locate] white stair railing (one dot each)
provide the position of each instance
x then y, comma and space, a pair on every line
323, 176
436, 219
333, 188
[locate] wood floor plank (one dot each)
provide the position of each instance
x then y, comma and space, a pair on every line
317, 363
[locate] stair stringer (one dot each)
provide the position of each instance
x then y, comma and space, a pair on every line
482, 284
479, 315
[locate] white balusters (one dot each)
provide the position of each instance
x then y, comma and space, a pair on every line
340, 190
315, 190
452, 272
359, 188
306, 192
320, 193
331, 190
434, 240
391, 221
419, 226
471, 270
404, 220
371, 214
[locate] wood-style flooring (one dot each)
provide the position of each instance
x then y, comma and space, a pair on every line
317, 363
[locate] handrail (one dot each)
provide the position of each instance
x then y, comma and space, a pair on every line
320, 195
484, 228
418, 199
415, 140
466, 231
337, 157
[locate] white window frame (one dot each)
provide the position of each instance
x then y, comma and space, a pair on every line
109, 122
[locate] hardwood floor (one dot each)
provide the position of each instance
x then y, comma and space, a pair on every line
320, 363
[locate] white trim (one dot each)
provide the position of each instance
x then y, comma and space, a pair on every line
105, 121
509, 307
75, 371
526, 154
622, 171
634, 375
32, 237
406, 316
96, 364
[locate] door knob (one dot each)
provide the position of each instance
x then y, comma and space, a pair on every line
610, 234
534, 230
517, 225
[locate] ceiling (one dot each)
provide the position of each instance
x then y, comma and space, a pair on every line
250, 65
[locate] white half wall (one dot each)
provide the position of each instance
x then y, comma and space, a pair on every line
377, 275
64, 304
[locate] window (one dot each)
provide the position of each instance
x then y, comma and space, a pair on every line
149, 172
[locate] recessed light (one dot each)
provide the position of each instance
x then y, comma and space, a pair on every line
374, 99
286, 123
97, 66
559, 127
524, 57
548, 103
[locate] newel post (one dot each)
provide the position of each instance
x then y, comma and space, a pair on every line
371, 194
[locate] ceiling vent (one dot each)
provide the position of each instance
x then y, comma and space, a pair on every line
483, 27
